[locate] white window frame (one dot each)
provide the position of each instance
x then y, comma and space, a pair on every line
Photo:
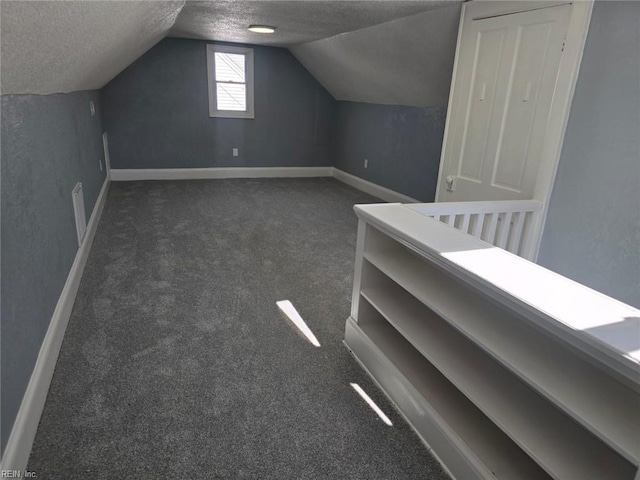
211, 79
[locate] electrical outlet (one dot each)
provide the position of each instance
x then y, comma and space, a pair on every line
100, 163
366, 163
235, 152
92, 107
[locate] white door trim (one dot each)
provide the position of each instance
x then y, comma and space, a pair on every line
560, 105
559, 113
482, 9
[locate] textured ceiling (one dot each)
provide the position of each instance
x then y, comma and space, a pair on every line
51, 47
390, 54
297, 22
403, 62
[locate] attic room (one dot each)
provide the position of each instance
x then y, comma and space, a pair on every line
320, 239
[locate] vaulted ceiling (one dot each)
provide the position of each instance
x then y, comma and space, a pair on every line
408, 61
52, 47
380, 51
296, 21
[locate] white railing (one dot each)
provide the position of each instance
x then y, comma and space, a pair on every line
432, 306
505, 224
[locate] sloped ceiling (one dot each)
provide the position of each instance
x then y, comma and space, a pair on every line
297, 22
64, 46
402, 62
52, 47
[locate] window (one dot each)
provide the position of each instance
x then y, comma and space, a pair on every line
230, 75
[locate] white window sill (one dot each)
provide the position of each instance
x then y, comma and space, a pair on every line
246, 115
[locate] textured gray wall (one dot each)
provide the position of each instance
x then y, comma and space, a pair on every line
592, 233
402, 145
48, 144
403, 62
157, 116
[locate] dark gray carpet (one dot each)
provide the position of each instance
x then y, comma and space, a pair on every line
177, 363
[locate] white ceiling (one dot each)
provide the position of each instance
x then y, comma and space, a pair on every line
52, 47
297, 22
408, 61
393, 54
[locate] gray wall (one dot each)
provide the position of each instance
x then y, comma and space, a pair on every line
402, 145
392, 82
592, 232
156, 113
48, 144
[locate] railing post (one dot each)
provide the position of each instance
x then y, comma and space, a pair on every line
531, 240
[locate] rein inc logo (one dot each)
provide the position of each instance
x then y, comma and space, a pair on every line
17, 474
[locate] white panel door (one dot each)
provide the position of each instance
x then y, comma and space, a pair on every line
506, 75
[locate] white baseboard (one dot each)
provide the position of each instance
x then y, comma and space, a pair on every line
18, 449
123, 175
374, 189
131, 174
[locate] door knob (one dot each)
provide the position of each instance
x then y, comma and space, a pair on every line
450, 181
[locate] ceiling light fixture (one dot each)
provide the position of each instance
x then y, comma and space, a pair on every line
261, 29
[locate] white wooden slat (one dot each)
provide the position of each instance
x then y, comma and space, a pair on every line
474, 220
504, 231
465, 223
477, 228
491, 231
516, 233
526, 240
451, 221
